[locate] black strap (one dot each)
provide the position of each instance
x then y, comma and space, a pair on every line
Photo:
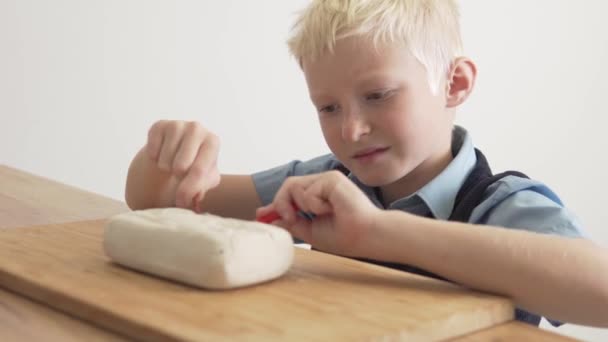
472, 192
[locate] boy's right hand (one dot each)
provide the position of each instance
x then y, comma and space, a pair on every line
189, 152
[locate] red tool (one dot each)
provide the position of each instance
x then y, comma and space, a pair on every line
273, 215
269, 218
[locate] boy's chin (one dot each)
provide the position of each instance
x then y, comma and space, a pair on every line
377, 179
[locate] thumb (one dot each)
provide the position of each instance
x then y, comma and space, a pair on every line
265, 210
301, 229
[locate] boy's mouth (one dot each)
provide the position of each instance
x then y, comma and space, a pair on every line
369, 152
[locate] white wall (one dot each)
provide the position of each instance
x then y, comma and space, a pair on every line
81, 81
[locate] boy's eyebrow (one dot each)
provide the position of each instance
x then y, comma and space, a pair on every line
363, 80
319, 98
375, 77
322, 95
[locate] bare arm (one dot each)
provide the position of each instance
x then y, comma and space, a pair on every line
178, 167
149, 187
236, 197
562, 278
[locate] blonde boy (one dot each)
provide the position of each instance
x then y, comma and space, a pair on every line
404, 186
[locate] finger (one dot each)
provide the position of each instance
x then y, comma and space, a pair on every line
301, 229
191, 194
155, 139
201, 176
187, 196
333, 191
172, 137
264, 210
284, 198
204, 165
281, 224
315, 200
298, 194
332, 184
196, 203
193, 137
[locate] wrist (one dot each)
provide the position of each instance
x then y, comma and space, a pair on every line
389, 237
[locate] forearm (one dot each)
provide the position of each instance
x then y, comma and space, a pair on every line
235, 197
147, 186
562, 278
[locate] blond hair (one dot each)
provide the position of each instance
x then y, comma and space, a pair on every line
428, 28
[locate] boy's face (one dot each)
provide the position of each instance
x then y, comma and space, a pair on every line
378, 113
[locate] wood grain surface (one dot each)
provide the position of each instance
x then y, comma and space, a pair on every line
323, 297
27, 200
513, 331
25, 320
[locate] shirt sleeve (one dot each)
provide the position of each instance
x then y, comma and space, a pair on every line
525, 204
268, 182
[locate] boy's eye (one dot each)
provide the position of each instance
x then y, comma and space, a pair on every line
328, 109
378, 95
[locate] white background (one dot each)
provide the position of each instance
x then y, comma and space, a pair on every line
81, 82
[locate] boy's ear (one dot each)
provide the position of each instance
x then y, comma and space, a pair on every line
460, 81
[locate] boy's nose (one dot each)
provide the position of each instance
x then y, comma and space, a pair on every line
354, 126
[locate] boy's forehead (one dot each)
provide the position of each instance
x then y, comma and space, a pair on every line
356, 59
351, 49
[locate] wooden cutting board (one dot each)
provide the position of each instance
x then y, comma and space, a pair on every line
323, 297
514, 331
24, 320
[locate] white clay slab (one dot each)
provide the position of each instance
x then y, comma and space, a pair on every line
202, 250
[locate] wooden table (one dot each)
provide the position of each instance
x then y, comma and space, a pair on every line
27, 200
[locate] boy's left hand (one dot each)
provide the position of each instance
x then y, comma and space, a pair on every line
344, 215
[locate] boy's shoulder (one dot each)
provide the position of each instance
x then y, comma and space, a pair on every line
509, 199
523, 203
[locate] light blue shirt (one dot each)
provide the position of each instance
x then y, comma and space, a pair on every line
511, 202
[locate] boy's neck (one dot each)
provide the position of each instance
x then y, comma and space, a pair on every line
418, 178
